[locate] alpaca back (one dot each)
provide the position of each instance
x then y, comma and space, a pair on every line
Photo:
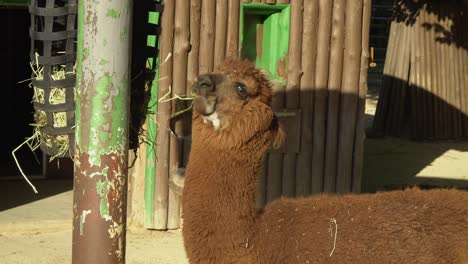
410, 226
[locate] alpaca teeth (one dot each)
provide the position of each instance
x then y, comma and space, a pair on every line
213, 119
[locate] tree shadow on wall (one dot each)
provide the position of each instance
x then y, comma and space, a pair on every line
407, 11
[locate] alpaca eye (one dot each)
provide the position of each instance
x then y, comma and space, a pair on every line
241, 90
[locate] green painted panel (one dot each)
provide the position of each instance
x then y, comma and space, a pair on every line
270, 25
150, 170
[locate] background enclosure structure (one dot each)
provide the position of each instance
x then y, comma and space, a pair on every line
425, 84
316, 53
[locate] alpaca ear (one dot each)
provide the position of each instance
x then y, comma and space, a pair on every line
279, 134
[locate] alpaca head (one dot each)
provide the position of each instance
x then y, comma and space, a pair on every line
238, 94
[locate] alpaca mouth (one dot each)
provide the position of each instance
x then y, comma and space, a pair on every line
206, 107
212, 119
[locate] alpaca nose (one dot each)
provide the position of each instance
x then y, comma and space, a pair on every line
204, 86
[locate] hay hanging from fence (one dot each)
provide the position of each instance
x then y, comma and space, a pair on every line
57, 96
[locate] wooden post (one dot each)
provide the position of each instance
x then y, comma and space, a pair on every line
309, 54
462, 37
321, 79
383, 103
435, 73
162, 118
392, 78
360, 120
221, 32
136, 187
292, 91
207, 32
350, 91
334, 87
179, 80
232, 45
427, 85
445, 82
102, 120
402, 77
413, 85
193, 56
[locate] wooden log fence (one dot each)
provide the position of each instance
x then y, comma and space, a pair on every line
423, 94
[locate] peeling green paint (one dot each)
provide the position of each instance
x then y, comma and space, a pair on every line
124, 33
101, 131
79, 69
85, 53
102, 189
103, 62
113, 13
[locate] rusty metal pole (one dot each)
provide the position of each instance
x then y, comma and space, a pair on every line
102, 114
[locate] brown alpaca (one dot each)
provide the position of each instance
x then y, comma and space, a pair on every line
233, 126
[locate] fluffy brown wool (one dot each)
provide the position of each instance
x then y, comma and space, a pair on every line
222, 225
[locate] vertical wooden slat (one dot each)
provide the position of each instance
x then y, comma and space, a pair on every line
221, 32
136, 188
192, 63
181, 48
420, 104
275, 158
285, 1
350, 91
422, 85
412, 82
309, 54
292, 91
463, 55
399, 81
383, 104
434, 60
446, 77
207, 31
162, 118
322, 65
427, 75
360, 122
453, 10
232, 49
392, 76
334, 86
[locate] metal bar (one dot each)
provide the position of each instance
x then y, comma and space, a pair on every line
102, 114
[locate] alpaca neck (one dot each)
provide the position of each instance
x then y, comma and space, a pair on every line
219, 200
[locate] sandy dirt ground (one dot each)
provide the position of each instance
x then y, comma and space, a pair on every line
54, 247
36, 229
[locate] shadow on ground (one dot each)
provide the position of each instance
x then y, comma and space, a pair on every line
14, 193
393, 159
